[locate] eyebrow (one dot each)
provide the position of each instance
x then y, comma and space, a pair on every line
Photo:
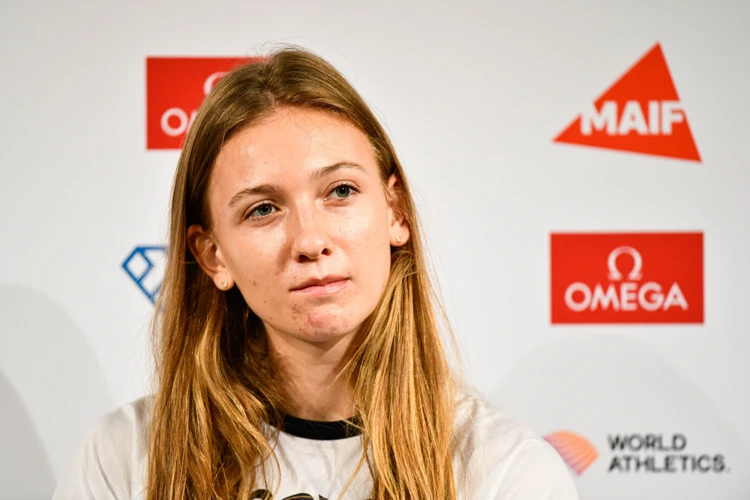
324, 171
315, 176
262, 189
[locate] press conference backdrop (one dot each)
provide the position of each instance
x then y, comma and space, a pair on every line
581, 168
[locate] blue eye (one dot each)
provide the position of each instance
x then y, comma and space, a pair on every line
343, 191
262, 211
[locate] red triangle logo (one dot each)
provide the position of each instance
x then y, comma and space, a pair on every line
640, 113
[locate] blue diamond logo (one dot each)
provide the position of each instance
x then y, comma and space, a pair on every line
145, 266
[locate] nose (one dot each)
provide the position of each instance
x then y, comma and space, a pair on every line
310, 238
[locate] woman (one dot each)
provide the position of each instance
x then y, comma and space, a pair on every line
297, 324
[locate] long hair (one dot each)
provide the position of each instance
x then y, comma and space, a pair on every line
216, 389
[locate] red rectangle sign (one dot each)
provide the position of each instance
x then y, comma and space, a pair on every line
627, 277
175, 88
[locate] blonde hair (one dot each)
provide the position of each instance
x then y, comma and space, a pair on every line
216, 389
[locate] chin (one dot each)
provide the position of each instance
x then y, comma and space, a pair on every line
326, 325
324, 330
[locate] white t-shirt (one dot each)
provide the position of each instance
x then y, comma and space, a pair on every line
502, 460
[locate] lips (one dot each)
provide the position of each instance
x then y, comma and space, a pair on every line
322, 286
318, 282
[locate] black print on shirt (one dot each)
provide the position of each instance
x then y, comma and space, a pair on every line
267, 495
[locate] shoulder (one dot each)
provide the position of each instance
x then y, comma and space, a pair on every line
499, 457
111, 459
124, 426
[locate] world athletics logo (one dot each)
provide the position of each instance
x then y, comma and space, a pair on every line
649, 453
145, 266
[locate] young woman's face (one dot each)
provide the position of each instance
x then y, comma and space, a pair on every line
302, 224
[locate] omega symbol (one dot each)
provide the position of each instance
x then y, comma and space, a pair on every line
635, 273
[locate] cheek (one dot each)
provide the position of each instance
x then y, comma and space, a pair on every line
366, 224
254, 265
367, 240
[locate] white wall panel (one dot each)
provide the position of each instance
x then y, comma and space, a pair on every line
473, 96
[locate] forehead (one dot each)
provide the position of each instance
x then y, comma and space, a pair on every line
290, 143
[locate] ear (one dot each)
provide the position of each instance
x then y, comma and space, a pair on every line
397, 225
209, 257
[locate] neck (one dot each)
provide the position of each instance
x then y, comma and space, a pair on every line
311, 375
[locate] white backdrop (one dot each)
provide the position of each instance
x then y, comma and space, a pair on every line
473, 96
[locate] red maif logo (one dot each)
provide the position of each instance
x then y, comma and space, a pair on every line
175, 88
627, 278
640, 113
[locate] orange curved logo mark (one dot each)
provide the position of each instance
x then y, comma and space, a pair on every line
576, 450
